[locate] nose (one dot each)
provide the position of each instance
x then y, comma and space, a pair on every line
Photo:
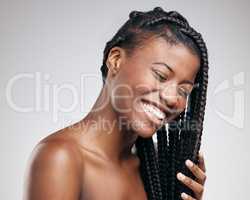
170, 96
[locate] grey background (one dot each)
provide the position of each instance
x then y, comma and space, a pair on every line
65, 39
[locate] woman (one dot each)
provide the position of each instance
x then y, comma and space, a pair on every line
155, 73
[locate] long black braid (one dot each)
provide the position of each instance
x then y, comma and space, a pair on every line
182, 139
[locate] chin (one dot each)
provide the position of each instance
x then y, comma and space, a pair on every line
144, 129
143, 124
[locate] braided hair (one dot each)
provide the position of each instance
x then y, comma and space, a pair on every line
181, 140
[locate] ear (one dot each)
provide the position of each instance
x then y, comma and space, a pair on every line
114, 60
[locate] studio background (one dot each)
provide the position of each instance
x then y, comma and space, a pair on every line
50, 58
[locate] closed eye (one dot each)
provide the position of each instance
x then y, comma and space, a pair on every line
184, 92
160, 76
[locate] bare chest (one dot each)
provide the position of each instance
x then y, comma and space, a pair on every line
105, 182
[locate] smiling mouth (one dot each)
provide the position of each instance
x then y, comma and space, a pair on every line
153, 112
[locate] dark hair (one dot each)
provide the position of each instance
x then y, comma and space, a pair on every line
182, 139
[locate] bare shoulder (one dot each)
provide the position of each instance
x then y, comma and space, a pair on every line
54, 170
56, 150
60, 146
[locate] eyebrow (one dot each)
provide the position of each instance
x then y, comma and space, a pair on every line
164, 64
168, 67
189, 82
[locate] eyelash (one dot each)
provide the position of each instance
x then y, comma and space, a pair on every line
159, 76
163, 78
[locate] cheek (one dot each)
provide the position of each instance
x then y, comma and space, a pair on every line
136, 72
182, 105
131, 83
121, 98
137, 84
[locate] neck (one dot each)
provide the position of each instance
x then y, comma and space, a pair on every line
103, 132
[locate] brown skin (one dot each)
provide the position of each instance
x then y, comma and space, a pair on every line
92, 160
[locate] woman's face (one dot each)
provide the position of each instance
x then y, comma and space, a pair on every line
150, 87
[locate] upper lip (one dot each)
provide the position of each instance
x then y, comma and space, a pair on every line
163, 108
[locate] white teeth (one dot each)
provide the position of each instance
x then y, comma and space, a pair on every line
154, 110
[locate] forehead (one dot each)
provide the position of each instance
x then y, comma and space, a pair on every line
175, 55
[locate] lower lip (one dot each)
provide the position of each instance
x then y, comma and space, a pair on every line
151, 116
